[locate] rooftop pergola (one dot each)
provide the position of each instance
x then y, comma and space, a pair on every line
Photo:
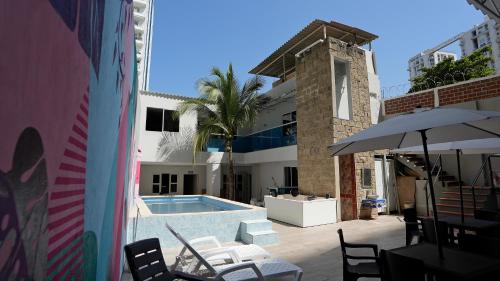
282, 61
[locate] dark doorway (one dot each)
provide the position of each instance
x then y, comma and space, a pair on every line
189, 184
165, 182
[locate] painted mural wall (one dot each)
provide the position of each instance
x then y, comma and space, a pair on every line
67, 151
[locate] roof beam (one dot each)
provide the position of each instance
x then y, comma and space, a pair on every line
289, 49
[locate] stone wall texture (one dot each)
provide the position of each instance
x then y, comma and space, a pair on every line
317, 124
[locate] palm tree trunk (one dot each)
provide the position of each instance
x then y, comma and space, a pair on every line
230, 181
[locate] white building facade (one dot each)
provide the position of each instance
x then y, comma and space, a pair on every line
427, 60
143, 24
484, 34
265, 155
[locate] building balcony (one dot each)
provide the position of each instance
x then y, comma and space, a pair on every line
140, 3
139, 17
281, 136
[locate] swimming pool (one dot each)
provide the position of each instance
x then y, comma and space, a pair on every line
191, 204
195, 216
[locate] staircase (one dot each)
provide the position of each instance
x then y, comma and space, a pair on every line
448, 202
258, 232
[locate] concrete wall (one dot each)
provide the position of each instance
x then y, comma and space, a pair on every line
263, 174
147, 172
166, 146
283, 101
67, 146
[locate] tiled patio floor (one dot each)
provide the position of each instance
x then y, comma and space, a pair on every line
317, 249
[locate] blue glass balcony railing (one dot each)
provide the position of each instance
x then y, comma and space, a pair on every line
276, 137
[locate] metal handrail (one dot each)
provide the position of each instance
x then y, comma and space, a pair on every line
481, 170
134, 231
440, 169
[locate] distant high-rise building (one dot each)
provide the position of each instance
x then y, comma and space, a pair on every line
484, 34
143, 23
428, 60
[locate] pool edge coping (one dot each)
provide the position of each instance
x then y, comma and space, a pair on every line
146, 212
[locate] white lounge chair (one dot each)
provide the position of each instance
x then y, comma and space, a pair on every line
241, 252
237, 270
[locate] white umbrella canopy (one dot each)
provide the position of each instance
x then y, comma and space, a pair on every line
424, 126
478, 146
440, 125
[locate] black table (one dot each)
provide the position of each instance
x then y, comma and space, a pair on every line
456, 264
470, 223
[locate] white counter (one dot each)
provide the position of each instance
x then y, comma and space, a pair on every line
301, 212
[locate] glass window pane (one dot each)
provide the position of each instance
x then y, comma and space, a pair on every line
156, 178
165, 182
287, 176
295, 177
170, 121
173, 188
154, 118
173, 178
156, 188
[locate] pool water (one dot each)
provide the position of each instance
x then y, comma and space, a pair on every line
194, 204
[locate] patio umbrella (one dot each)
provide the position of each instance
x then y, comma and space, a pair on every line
477, 146
424, 126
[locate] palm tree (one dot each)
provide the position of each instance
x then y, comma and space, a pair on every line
224, 106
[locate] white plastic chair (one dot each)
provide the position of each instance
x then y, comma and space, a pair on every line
237, 270
241, 252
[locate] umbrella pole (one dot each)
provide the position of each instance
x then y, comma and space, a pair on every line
460, 186
433, 197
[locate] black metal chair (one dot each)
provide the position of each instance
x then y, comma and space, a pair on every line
400, 268
146, 262
411, 225
352, 272
429, 233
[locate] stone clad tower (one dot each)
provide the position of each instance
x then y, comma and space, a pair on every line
335, 96
333, 102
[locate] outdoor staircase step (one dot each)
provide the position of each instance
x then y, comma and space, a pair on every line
454, 184
457, 199
260, 238
447, 178
452, 213
256, 225
454, 205
457, 193
470, 187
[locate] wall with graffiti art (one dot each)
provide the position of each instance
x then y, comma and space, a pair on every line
67, 151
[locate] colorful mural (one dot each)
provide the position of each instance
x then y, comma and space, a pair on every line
67, 149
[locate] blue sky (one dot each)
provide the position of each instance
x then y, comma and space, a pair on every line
192, 36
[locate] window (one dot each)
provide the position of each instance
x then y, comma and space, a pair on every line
342, 89
159, 120
291, 177
290, 124
366, 175
156, 183
154, 119
173, 183
165, 182
168, 183
170, 121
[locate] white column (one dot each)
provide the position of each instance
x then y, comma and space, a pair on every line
213, 179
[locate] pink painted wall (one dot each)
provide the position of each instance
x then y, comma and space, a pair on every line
70, 69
